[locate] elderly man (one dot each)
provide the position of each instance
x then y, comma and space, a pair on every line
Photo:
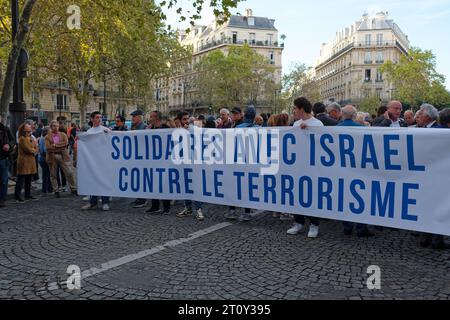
225, 120
409, 118
391, 118
334, 111
137, 123
320, 113
444, 118
56, 143
427, 116
349, 113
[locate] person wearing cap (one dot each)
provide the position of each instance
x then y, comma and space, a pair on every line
248, 122
137, 123
236, 116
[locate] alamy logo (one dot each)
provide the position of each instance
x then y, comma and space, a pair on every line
74, 20
74, 280
374, 280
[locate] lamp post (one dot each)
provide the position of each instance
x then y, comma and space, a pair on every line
17, 107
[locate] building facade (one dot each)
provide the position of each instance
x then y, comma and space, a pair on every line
178, 91
348, 69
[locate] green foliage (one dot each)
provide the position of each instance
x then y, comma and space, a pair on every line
415, 79
237, 78
370, 104
299, 82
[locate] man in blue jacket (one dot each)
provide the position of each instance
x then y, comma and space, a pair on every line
348, 115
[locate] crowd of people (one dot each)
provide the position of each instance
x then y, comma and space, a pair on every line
54, 148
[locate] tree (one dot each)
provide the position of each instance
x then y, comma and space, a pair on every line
370, 104
300, 82
13, 56
128, 40
415, 79
237, 78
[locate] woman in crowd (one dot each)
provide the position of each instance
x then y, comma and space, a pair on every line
26, 163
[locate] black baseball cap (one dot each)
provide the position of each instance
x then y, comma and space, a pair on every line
236, 110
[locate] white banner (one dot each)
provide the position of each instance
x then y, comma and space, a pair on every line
379, 176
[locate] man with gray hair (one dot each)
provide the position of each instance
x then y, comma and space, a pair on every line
427, 116
334, 111
225, 121
391, 118
349, 113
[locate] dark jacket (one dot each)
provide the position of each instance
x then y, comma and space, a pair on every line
121, 128
326, 120
382, 122
6, 137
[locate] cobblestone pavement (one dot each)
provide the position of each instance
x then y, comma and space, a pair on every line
127, 254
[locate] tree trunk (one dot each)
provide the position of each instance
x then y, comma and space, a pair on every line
14, 57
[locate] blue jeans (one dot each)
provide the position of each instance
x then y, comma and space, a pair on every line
197, 205
94, 200
4, 175
46, 183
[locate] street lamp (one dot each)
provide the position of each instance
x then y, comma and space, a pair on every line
17, 107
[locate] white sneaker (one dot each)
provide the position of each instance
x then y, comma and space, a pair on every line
313, 231
87, 198
89, 207
200, 216
106, 207
296, 228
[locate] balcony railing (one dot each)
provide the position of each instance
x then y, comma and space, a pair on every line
217, 43
365, 45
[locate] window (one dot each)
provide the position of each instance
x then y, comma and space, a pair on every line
252, 38
34, 100
368, 76
368, 39
61, 102
368, 58
379, 76
251, 21
379, 39
378, 92
380, 58
234, 37
272, 57
269, 39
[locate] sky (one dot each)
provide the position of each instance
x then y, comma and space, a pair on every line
307, 24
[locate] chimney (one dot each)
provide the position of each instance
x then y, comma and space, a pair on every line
249, 13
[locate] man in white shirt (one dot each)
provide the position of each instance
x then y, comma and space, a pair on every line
97, 127
304, 118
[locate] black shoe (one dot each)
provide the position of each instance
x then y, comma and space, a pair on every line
348, 232
57, 194
31, 198
365, 234
166, 213
378, 228
2, 204
74, 192
20, 200
153, 211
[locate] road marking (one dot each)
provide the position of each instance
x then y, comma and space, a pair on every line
145, 253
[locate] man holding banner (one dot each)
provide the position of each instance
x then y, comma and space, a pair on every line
304, 119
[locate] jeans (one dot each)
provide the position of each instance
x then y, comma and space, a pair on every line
301, 219
193, 205
94, 200
46, 183
4, 175
21, 180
